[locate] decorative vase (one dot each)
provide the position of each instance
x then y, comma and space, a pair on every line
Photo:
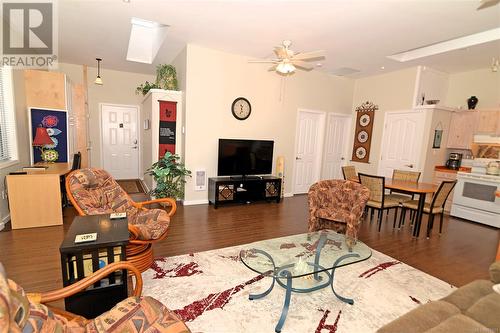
472, 102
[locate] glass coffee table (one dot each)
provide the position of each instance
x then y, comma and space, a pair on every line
302, 263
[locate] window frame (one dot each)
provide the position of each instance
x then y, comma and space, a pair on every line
9, 101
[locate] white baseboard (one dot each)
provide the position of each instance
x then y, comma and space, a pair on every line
195, 202
4, 221
287, 195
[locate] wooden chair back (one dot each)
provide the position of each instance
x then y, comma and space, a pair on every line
375, 184
409, 176
349, 172
442, 193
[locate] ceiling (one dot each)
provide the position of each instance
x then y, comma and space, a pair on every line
356, 34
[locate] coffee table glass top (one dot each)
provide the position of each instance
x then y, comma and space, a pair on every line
303, 254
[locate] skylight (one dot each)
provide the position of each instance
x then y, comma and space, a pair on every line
146, 37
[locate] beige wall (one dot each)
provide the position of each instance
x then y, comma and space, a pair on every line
482, 83
391, 92
214, 79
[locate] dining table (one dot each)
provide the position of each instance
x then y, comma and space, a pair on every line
420, 188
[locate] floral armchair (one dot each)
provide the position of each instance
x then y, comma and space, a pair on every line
28, 313
337, 205
93, 192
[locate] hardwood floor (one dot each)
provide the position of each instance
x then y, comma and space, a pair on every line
461, 254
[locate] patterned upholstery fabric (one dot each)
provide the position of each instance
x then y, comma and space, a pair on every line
349, 172
96, 192
337, 205
132, 315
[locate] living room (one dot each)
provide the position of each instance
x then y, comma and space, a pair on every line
353, 76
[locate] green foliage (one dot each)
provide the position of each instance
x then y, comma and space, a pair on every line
145, 87
166, 77
170, 177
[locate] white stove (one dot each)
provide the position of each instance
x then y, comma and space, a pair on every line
474, 198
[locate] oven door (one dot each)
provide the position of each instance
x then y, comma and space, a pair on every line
477, 192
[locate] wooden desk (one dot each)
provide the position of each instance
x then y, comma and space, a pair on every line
422, 189
35, 197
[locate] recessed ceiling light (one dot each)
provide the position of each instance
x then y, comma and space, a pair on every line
319, 64
382, 68
127, 1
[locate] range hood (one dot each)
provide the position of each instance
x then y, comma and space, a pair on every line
484, 138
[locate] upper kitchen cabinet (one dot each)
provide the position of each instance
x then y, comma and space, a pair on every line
431, 84
488, 122
462, 129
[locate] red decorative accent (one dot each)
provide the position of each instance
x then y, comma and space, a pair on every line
331, 328
287, 245
163, 148
167, 135
212, 301
168, 111
415, 300
378, 268
42, 138
179, 270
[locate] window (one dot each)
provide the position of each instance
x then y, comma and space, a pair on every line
8, 140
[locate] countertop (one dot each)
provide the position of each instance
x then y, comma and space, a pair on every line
443, 168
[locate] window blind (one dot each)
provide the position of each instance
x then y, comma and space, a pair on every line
8, 140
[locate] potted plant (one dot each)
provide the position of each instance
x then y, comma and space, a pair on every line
166, 78
170, 177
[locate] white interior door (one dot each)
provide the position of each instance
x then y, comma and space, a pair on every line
119, 144
401, 142
336, 139
308, 149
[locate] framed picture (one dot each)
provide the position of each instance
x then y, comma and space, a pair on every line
56, 124
438, 135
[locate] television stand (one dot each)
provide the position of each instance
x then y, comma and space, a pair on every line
243, 190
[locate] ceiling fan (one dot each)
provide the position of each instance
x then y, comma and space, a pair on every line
287, 60
487, 3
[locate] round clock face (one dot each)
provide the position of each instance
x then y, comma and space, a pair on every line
362, 136
364, 120
360, 152
241, 108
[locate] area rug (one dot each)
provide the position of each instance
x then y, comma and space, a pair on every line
209, 291
131, 186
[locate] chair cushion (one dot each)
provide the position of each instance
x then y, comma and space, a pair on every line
486, 310
151, 223
459, 323
413, 204
495, 272
465, 296
398, 197
388, 203
138, 315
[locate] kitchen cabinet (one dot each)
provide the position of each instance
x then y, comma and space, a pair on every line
488, 122
462, 129
440, 176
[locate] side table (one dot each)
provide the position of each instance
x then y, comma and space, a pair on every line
82, 259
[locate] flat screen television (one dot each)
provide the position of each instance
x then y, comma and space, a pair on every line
245, 157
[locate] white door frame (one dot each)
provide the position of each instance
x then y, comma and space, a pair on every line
383, 143
349, 132
138, 108
321, 136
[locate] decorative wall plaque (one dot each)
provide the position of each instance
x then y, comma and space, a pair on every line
365, 114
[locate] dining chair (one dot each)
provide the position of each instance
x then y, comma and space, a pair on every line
349, 172
403, 175
378, 200
77, 163
436, 206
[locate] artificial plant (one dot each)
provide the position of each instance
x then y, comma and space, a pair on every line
169, 175
166, 78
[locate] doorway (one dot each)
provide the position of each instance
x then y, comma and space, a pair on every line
338, 130
402, 140
308, 149
119, 140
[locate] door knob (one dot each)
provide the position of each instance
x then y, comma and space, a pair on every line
342, 158
297, 158
409, 165
134, 147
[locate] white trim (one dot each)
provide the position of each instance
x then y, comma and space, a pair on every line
4, 221
31, 134
321, 136
287, 195
7, 164
138, 133
195, 202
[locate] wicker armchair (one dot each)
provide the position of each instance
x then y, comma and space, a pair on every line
337, 205
28, 312
94, 191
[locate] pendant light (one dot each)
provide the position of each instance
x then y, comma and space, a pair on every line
98, 79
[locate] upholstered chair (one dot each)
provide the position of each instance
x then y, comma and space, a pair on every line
378, 201
349, 172
436, 206
337, 205
94, 191
28, 313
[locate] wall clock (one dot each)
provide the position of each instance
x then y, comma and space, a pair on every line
241, 108
363, 134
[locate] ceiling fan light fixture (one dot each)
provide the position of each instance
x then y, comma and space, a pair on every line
285, 68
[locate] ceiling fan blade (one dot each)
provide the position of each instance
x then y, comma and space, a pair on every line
272, 68
270, 61
487, 3
319, 54
302, 64
280, 52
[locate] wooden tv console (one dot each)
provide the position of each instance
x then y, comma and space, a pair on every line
226, 190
